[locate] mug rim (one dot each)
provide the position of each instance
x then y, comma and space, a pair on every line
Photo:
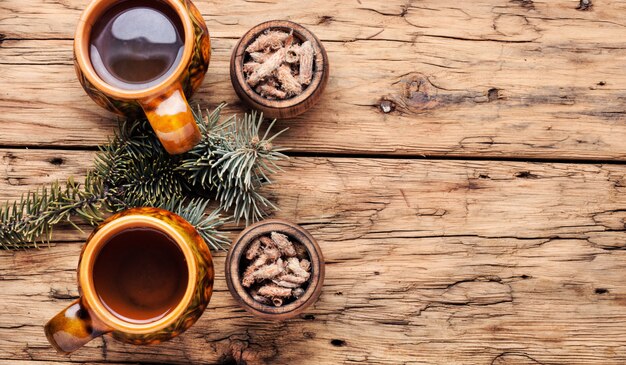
81, 49
88, 258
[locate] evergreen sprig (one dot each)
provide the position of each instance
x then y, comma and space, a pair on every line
230, 164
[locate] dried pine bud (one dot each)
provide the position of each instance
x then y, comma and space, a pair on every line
286, 284
274, 291
260, 57
297, 293
306, 63
294, 266
283, 244
260, 261
267, 146
267, 242
261, 299
287, 81
293, 54
254, 250
291, 278
272, 253
305, 264
248, 278
271, 39
250, 67
267, 272
268, 91
267, 67
248, 275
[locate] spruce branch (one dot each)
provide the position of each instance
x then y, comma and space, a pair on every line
233, 162
30, 221
206, 224
230, 164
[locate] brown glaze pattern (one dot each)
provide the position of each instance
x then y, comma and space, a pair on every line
79, 323
73, 327
190, 80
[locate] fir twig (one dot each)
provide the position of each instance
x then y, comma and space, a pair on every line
206, 225
29, 221
231, 163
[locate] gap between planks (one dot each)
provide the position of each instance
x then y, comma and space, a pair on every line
378, 156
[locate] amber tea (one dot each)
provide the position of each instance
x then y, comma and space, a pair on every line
136, 44
140, 275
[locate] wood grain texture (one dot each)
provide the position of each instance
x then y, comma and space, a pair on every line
485, 78
453, 261
427, 262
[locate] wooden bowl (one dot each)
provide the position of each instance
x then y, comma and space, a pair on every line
287, 108
236, 256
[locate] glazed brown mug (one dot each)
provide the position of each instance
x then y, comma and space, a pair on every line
162, 99
145, 275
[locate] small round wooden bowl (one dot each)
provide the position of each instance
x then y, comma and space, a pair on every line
287, 108
237, 252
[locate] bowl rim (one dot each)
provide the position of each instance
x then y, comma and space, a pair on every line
321, 63
233, 260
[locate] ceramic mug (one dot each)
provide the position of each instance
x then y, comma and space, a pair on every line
165, 104
89, 316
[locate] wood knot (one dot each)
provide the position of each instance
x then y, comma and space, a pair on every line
417, 94
57, 161
325, 19
526, 4
337, 343
493, 94
420, 93
239, 349
8, 157
387, 106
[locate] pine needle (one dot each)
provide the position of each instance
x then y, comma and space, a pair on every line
230, 164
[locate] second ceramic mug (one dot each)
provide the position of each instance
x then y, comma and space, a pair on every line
165, 103
110, 278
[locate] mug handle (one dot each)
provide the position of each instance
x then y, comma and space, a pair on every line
73, 327
172, 120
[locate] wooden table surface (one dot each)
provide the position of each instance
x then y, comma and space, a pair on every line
464, 172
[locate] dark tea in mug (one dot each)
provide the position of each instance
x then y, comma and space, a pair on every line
140, 275
136, 44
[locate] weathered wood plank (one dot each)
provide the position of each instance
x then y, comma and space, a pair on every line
399, 20
428, 262
487, 78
